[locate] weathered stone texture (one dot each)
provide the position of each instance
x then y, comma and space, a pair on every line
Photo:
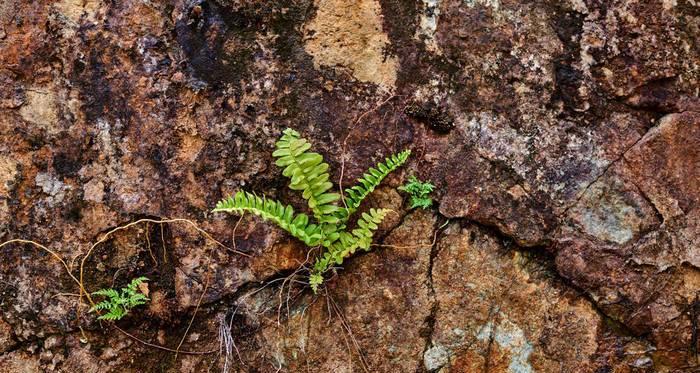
563, 138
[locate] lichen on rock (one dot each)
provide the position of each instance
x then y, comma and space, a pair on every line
562, 138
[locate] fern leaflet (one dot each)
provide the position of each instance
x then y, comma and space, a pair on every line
419, 192
119, 303
298, 225
347, 244
369, 181
308, 173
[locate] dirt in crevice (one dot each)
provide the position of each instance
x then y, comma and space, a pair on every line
428, 327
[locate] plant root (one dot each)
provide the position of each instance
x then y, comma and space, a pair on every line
80, 282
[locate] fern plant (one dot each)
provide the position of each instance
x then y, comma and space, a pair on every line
419, 192
328, 225
118, 303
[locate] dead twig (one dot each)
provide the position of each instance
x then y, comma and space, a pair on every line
196, 308
53, 253
346, 326
80, 279
108, 234
148, 243
137, 339
290, 279
233, 233
226, 342
162, 242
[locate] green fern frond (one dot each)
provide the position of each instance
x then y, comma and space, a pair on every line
315, 280
369, 181
119, 303
113, 315
101, 306
109, 293
347, 244
419, 192
134, 284
308, 173
296, 224
367, 224
136, 300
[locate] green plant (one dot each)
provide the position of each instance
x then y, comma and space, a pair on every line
419, 192
308, 173
119, 303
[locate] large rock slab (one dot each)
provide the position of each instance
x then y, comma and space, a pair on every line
562, 137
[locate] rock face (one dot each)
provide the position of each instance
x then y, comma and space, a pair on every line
563, 138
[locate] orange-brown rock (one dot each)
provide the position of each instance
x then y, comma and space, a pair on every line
563, 138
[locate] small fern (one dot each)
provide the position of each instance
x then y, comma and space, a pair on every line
419, 192
308, 173
118, 303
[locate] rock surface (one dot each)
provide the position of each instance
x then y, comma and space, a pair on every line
563, 138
